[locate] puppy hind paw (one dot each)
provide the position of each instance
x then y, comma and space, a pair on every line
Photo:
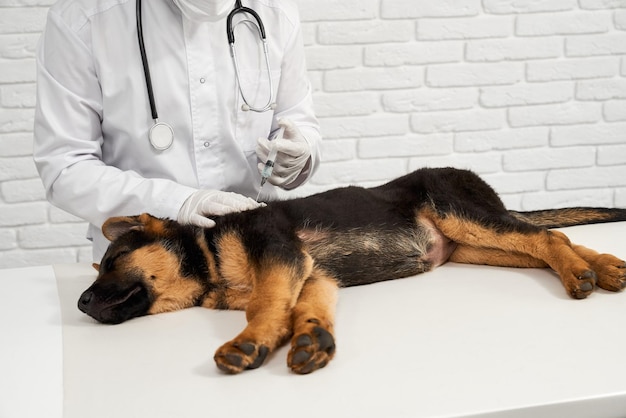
582, 285
611, 273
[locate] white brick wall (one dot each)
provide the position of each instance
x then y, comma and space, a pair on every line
531, 94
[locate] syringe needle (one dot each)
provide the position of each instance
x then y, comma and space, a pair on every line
269, 164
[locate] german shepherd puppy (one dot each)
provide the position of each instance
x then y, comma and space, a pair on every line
284, 263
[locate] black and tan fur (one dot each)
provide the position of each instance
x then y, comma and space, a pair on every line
284, 263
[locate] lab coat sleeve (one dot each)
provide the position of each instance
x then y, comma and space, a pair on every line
294, 99
68, 139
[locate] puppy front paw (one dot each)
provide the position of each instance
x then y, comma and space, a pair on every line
237, 356
311, 349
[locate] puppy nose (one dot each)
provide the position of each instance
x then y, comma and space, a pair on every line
85, 300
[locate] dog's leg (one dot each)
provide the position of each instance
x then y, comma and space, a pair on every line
551, 247
494, 257
313, 342
610, 270
275, 291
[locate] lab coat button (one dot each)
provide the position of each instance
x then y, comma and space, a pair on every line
207, 144
202, 80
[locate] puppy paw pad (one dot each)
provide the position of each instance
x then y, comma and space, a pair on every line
311, 351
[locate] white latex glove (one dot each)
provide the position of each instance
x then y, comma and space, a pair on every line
294, 154
203, 203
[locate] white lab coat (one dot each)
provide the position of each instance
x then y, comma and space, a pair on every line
92, 118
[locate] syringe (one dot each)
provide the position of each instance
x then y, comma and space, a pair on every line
269, 164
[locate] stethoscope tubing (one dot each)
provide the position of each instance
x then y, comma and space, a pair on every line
247, 106
144, 60
233, 53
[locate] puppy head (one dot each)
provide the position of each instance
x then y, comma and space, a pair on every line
152, 265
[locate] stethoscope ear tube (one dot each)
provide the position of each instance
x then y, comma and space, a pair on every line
240, 9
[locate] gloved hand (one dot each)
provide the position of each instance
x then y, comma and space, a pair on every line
203, 203
293, 154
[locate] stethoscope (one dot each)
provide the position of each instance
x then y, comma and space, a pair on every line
161, 134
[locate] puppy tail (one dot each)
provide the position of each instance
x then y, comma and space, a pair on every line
559, 218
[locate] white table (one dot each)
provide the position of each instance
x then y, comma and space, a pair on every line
462, 341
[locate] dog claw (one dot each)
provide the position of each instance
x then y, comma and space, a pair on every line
587, 275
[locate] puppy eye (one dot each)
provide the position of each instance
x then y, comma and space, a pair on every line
153, 277
109, 263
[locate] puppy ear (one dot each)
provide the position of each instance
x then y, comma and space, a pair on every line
113, 228
155, 226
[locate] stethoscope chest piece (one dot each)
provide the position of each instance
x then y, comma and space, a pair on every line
161, 136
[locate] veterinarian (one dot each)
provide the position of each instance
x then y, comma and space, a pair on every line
142, 107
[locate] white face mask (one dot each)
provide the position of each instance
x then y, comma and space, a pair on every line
204, 10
